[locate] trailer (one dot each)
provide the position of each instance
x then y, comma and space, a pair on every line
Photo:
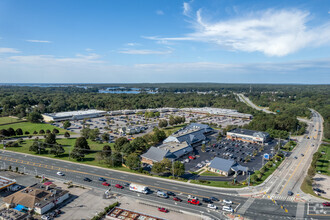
138, 188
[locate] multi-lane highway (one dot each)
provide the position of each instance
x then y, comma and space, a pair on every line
287, 177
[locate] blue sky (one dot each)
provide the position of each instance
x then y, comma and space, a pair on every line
121, 41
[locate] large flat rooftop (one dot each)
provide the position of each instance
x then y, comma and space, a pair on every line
75, 113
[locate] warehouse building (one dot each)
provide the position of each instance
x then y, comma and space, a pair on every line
74, 115
251, 136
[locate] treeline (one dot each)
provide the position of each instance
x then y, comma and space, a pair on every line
297, 102
19, 101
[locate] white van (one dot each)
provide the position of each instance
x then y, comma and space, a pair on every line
227, 209
162, 194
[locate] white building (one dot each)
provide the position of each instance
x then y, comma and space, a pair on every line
73, 115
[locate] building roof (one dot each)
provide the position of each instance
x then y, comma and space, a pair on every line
156, 154
5, 182
238, 167
177, 149
35, 195
249, 132
192, 137
74, 113
221, 164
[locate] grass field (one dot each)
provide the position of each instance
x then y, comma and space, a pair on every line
322, 164
68, 146
31, 127
170, 130
5, 120
224, 184
208, 173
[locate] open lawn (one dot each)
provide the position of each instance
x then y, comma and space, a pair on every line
31, 127
172, 129
208, 173
289, 146
5, 120
322, 164
68, 146
224, 184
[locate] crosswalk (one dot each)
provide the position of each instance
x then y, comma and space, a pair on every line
280, 197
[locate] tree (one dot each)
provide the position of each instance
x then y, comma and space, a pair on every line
119, 143
203, 147
35, 117
99, 157
85, 132
127, 148
27, 133
81, 145
133, 161
114, 160
179, 168
11, 132
105, 137
67, 134
106, 152
66, 124
50, 139
220, 136
94, 133
139, 144
35, 132
55, 131
158, 135
162, 123
4, 132
57, 150
19, 131
157, 168
172, 120
47, 131
77, 154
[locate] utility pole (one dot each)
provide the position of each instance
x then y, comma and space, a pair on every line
249, 179
173, 169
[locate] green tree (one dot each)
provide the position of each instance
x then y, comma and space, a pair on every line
203, 147
179, 168
81, 148
139, 144
57, 149
85, 132
41, 131
67, 134
50, 139
158, 135
11, 132
162, 123
35, 117
106, 152
157, 168
133, 161
19, 131
55, 131
66, 124
105, 137
94, 133
119, 143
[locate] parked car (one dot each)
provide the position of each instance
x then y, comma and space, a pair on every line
105, 184
227, 209
326, 204
290, 193
192, 157
227, 201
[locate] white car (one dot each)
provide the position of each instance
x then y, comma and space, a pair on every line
211, 206
192, 197
227, 209
60, 173
227, 201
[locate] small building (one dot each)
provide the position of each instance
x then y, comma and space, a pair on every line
6, 183
225, 167
38, 197
250, 136
154, 155
73, 115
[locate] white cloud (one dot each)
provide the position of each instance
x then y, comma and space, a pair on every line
39, 41
272, 32
89, 49
133, 44
186, 9
146, 52
159, 12
8, 50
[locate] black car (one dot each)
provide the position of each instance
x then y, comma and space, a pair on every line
207, 200
102, 179
170, 193
214, 199
87, 179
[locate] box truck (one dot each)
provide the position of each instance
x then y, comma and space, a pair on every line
138, 188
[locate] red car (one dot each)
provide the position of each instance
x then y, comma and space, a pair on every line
105, 184
192, 157
177, 199
162, 210
326, 204
119, 186
193, 201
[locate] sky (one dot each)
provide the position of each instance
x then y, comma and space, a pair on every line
127, 41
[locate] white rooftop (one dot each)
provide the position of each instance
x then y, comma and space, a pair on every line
74, 113
5, 182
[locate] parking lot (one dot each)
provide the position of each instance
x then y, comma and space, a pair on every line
246, 154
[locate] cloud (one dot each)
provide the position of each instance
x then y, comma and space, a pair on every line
186, 8
159, 12
146, 52
272, 32
8, 50
89, 49
133, 44
39, 41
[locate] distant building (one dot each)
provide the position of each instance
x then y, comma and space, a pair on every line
193, 134
232, 113
225, 167
38, 197
74, 115
245, 135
